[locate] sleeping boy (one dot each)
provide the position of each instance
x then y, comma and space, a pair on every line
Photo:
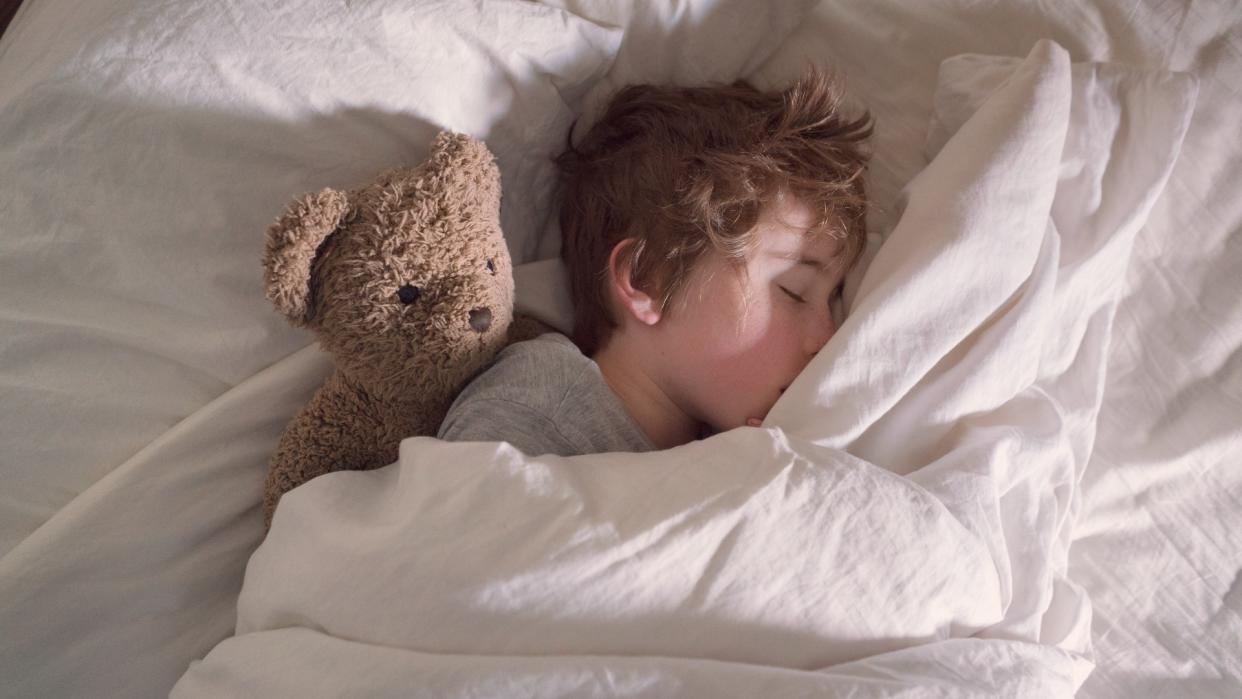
705, 233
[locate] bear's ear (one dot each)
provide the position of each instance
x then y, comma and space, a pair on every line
291, 246
464, 167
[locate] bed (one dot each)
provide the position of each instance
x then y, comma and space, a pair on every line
144, 380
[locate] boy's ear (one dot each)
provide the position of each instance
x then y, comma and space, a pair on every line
634, 302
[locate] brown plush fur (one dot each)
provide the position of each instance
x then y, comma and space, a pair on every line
336, 263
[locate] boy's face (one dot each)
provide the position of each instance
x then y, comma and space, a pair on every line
734, 341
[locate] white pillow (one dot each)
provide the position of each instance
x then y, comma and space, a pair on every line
145, 147
688, 42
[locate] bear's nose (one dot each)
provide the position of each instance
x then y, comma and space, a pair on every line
481, 319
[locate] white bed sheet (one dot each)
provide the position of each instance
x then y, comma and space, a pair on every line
1157, 545
146, 146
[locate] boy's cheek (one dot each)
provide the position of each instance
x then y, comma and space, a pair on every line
753, 395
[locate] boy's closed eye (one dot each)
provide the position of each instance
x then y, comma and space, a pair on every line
836, 293
792, 295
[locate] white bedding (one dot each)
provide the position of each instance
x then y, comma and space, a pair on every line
1158, 543
779, 547
144, 146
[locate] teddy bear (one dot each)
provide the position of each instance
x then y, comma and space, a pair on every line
407, 283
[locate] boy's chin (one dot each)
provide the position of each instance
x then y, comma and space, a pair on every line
745, 417
755, 419
707, 429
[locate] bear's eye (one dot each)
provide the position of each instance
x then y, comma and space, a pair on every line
409, 293
491, 267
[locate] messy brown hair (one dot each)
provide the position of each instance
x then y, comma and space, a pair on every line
688, 170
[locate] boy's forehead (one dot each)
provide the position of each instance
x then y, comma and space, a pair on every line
786, 210
801, 240
789, 218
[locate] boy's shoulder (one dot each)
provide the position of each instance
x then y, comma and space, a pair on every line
535, 372
539, 348
544, 396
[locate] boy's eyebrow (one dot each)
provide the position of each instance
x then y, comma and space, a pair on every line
808, 261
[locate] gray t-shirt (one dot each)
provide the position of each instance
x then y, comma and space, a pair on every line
544, 396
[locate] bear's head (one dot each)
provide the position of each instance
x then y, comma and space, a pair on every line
406, 281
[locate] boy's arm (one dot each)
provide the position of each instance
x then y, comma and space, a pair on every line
500, 420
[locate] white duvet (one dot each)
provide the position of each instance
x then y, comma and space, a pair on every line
898, 526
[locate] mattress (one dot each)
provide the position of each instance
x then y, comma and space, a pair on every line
144, 147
